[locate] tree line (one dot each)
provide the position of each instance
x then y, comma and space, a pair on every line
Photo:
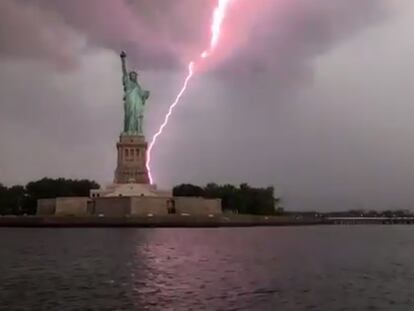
243, 199
20, 200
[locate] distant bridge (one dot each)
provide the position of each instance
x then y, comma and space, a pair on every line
370, 220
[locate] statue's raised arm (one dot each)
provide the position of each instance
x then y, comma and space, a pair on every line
124, 69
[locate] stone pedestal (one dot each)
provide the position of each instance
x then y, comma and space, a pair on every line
132, 154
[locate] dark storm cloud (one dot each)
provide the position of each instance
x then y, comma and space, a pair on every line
156, 33
27, 31
163, 34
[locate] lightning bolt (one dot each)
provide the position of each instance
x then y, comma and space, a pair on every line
219, 14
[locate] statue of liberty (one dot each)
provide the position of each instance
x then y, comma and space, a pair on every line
134, 100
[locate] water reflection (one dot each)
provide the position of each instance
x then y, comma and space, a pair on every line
307, 268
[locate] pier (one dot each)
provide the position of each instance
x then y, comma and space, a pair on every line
370, 220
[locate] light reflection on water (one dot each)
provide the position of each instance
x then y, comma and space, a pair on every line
298, 268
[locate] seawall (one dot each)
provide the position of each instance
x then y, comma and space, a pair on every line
156, 221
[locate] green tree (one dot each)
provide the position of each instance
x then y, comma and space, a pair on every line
11, 200
188, 190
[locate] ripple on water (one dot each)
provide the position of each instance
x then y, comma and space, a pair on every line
303, 268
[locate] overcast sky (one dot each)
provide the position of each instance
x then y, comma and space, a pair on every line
313, 97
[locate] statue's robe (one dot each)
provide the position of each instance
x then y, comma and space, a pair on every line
134, 103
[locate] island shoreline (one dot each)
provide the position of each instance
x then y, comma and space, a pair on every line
170, 221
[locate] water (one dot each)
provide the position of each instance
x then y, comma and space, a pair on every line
280, 268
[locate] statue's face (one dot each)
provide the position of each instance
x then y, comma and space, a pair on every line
133, 76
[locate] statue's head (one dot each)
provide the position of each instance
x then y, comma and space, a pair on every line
133, 75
